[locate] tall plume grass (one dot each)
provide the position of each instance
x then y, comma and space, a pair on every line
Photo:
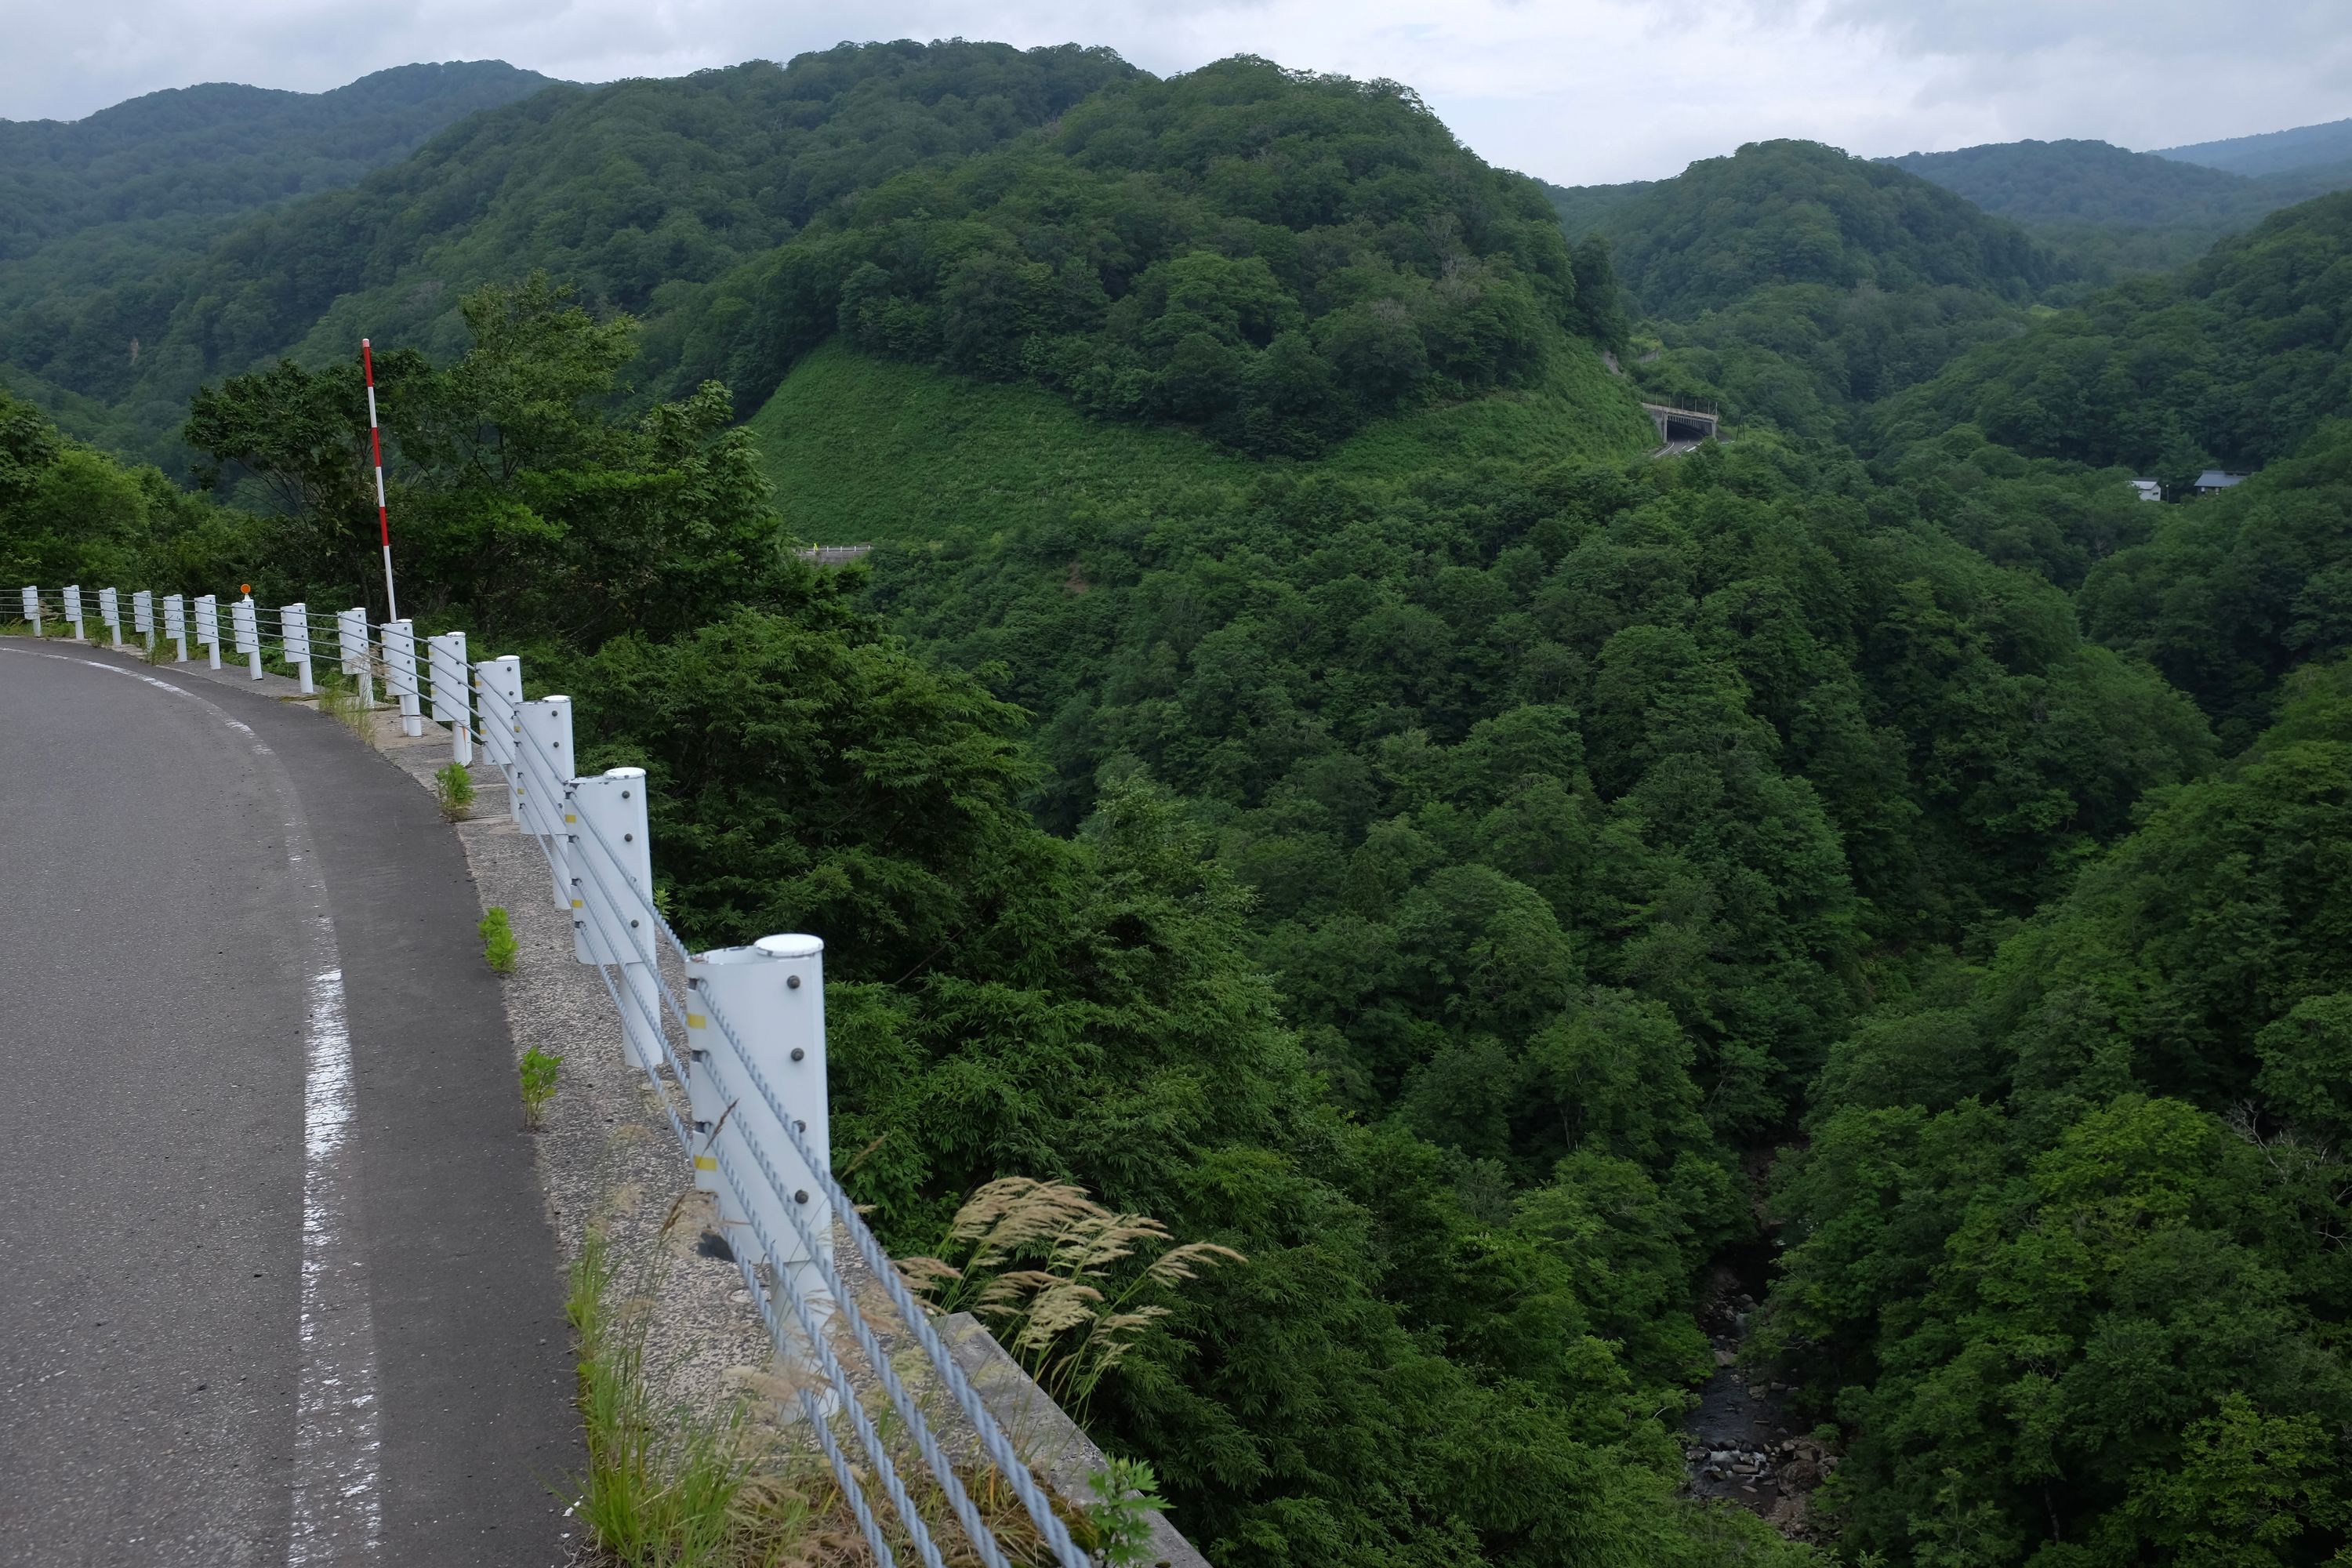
1071, 1285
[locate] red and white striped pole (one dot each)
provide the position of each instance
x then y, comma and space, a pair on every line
383, 518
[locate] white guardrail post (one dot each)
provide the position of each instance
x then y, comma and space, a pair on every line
110, 615
452, 693
351, 648
208, 626
142, 616
175, 622
613, 916
245, 627
772, 991
73, 609
32, 609
294, 641
542, 767
500, 682
399, 641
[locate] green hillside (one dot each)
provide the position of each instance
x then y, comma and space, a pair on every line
97, 215
863, 449
866, 450
1792, 285
2047, 181
1273, 257
1582, 209
1296, 766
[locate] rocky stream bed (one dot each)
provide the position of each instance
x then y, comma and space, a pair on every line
1740, 1442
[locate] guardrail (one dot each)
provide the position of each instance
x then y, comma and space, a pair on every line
737, 1064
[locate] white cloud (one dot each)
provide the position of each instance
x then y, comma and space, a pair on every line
1575, 90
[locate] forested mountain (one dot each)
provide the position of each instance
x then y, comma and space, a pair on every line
643, 188
1293, 764
2115, 211
1583, 208
1270, 256
2095, 181
2272, 152
95, 212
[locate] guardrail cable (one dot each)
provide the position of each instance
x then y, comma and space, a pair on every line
886, 1273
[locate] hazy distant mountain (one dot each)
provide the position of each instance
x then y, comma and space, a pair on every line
2272, 152
2046, 182
2117, 211
94, 212
220, 148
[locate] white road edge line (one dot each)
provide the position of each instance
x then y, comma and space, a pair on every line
338, 1491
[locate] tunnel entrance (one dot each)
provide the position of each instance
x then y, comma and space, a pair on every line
1682, 426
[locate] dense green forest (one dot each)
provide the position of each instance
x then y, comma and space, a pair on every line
1798, 212
1272, 258
1790, 284
1295, 765
2235, 359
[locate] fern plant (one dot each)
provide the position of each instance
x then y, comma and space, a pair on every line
1127, 1494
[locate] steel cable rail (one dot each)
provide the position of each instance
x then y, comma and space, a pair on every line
926, 1442
992, 1438
546, 781
907, 1411
828, 1364
660, 980
845, 1475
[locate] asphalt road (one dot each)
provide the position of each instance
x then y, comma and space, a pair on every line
276, 1286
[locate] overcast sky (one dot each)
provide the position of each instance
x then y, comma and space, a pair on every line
1575, 90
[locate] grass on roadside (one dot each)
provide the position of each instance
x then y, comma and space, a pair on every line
339, 699
670, 1485
666, 1486
538, 1071
453, 786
